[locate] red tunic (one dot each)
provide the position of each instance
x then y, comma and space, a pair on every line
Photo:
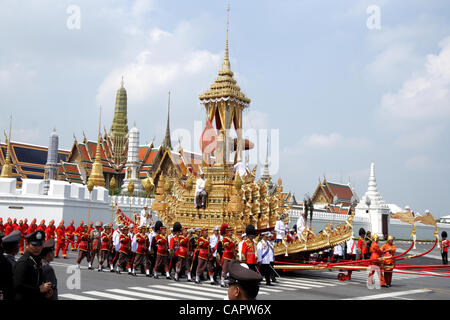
106, 241
84, 242
41, 227
79, 230
362, 245
203, 247
444, 245
125, 242
61, 234
228, 246
375, 251
32, 228
142, 243
249, 251
161, 243
180, 245
70, 232
8, 229
50, 233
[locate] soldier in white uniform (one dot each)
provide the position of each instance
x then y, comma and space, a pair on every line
338, 253
280, 228
214, 243
264, 257
116, 242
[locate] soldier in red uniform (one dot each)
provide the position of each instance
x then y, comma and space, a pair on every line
8, 227
124, 251
15, 225
203, 254
141, 251
105, 249
61, 240
178, 247
91, 227
23, 232
95, 236
70, 235
375, 254
388, 250
162, 251
25, 224
50, 231
84, 247
42, 226
2, 227
249, 248
78, 231
32, 228
229, 247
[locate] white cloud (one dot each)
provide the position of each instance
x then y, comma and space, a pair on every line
419, 162
419, 138
424, 95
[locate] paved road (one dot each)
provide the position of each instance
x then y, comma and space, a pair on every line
299, 285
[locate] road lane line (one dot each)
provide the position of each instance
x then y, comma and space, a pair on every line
139, 294
166, 293
389, 295
190, 291
108, 295
75, 297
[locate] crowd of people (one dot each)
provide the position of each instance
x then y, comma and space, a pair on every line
144, 247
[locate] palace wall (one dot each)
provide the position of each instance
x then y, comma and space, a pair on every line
64, 201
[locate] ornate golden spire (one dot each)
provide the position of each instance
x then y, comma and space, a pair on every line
166, 142
7, 166
96, 176
225, 85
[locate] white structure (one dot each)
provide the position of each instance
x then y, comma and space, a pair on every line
445, 219
373, 206
64, 201
51, 167
132, 166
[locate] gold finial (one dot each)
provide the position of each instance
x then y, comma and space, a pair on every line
226, 59
7, 167
96, 176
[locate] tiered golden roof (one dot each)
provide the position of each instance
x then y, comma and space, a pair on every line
7, 166
225, 86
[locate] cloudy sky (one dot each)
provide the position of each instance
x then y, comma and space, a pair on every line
340, 92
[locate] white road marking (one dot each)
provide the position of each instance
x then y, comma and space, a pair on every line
108, 295
294, 286
190, 291
139, 294
166, 293
307, 283
75, 297
389, 295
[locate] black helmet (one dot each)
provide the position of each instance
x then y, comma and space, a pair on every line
176, 227
250, 230
444, 234
362, 232
158, 225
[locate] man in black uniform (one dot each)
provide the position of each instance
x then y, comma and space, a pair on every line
28, 283
243, 283
6, 275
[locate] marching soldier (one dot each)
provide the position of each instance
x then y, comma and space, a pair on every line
190, 253
215, 245
249, 249
229, 247
375, 254
42, 226
444, 247
32, 228
61, 240
151, 252
95, 236
78, 231
8, 227
23, 231
362, 245
195, 251
2, 227
105, 249
141, 256
124, 251
70, 233
50, 230
389, 250
203, 254
161, 250
178, 248
83, 248
116, 242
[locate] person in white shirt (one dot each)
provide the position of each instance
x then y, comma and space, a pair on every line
200, 193
264, 257
280, 228
239, 168
352, 249
214, 243
301, 225
244, 237
144, 217
338, 253
116, 243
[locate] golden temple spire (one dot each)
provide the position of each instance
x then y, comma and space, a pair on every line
166, 142
7, 167
226, 58
96, 176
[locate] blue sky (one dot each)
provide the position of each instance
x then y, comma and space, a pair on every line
341, 94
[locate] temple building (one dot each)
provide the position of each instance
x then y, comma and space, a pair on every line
334, 197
